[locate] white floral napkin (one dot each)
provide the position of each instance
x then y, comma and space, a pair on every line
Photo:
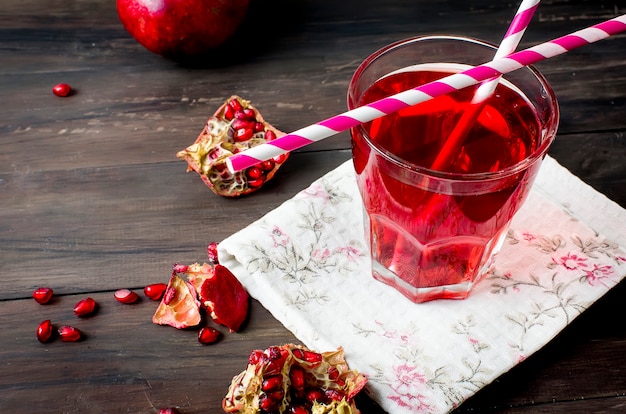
307, 263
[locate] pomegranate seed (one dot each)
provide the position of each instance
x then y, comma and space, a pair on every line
62, 89
178, 268
85, 307
211, 251
333, 373
270, 135
296, 376
248, 113
267, 165
279, 159
126, 296
272, 383
255, 183
315, 394
255, 357
235, 104
243, 134
155, 291
254, 173
241, 124
273, 353
170, 294
266, 403
298, 409
208, 335
334, 395
277, 396
42, 295
169, 410
45, 331
229, 112
307, 356
69, 333
259, 127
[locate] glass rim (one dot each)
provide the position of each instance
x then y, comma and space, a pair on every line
536, 155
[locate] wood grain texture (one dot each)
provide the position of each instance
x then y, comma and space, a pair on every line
93, 198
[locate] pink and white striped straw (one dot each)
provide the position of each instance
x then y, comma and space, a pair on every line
509, 43
342, 122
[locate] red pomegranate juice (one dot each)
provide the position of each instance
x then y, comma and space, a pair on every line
432, 234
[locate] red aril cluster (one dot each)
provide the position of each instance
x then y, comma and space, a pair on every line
236, 126
293, 379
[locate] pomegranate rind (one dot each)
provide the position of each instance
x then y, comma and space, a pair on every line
181, 310
245, 390
207, 155
221, 294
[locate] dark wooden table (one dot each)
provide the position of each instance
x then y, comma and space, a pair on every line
93, 199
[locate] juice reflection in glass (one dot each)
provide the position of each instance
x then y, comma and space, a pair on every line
434, 228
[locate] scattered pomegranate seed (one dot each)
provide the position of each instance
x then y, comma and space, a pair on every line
169, 410
69, 333
211, 251
126, 296
45, 331
85, 307
62, 89
208, 335
155, 291
42, 295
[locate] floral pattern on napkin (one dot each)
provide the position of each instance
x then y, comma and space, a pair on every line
307, 263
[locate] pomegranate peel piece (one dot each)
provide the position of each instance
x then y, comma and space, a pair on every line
236, 126
324, 386
220, 292
225, 298
179, 306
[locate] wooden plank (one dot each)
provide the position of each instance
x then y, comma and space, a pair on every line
92, 229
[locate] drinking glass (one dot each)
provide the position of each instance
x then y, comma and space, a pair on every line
435, 223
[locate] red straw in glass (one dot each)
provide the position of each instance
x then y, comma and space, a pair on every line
385, 106
509, 43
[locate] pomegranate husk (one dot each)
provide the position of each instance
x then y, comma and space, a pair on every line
207, 155
180, 310
245, 391
221, 294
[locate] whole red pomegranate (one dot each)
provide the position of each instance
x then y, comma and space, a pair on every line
181, 28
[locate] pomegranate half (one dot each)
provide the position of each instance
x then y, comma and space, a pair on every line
236, 126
